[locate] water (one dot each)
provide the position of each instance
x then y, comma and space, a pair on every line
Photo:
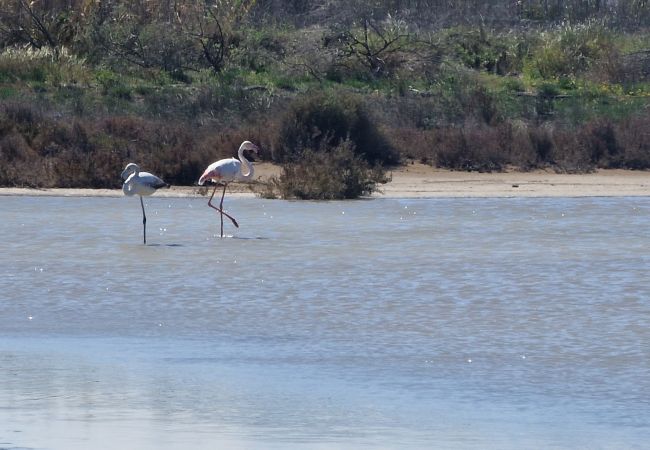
389, 323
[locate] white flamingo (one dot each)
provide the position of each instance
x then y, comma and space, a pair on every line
228, 170
140, 183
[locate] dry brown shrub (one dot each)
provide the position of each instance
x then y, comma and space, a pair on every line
127, 127
20, 165
521, 152
541, 140
633, 136
601, 143
570, 154
413, 143
324, 121
473, 147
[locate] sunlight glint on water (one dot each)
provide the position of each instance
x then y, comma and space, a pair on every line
464, 323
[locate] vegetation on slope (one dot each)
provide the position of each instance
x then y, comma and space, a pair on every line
87, 86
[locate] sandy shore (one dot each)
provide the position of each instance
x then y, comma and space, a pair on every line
418, 180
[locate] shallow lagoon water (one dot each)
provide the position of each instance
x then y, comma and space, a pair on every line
385, 323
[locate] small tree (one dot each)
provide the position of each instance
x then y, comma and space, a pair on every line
373, 44
189, 35
50, 24
212, 25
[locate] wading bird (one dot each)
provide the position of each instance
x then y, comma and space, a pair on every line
140, 183
225, 171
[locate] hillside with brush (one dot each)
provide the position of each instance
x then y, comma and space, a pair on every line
323, 87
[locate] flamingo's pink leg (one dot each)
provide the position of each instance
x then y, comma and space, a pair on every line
221, 211
221, 207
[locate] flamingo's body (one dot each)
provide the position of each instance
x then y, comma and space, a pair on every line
226, 171
140, 183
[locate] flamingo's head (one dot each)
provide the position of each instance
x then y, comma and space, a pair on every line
129, 169
248, 145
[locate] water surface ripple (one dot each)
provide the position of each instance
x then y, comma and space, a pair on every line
386, 323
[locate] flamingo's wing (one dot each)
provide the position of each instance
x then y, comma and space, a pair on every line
151, 180
222, 170
208, 173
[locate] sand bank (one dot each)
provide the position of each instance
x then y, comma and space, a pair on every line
418, 180
421, 181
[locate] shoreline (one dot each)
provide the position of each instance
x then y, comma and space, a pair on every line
422, 181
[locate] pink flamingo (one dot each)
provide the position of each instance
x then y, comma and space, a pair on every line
228, 170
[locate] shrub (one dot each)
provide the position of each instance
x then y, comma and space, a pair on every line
569, 51
332, 175
470, 148
324, 122
372, 49
600, 140
43, 66
523, 153
28, 65
24, 117
19, 164
414, 143
570, 154
456, 97
542, 144
483, 50
633, 136
112, 85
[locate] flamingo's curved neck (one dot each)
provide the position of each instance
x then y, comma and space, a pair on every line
250, 170
130, 170
127, 187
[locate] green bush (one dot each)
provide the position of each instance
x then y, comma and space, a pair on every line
486, 51
569, 51
322, 121
333, 175
26, 65
43, 67
174, 92
113, 85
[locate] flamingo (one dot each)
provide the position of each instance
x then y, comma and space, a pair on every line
228, 170
140, 183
